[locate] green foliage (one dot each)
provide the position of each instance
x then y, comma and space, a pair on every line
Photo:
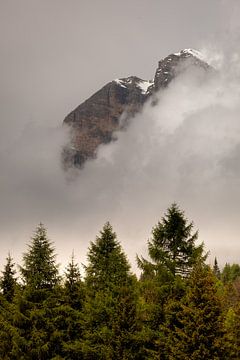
232, 333
230, 273
40, 270
37, 301
73, 277
108, 265
110, 309
216, 269
8, 280
9, 333
73, 286
193, 327
179, 309
173, 253
172, 247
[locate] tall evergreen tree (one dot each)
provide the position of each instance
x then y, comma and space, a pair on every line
109, 332
216, 269
107, 264
74, 288
39, 269
230, 273
72, 274
38, 301
193, 327
172, 246
69, 315
173, 252
8, 280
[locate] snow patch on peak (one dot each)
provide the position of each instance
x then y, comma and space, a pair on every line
144, 85
192, 52
120, 82
123, 82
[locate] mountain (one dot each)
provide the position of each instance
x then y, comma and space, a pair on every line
94, 121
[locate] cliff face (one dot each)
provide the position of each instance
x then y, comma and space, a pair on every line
174, 64
93, 122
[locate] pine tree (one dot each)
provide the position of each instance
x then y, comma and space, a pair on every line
172, 247
72, 274
40, 270
108, 266
37, 303
216, 269
8, 280
110, 307
193, 327
232, 333
9, 333
173, 253
68, 319
230, 273
74, 287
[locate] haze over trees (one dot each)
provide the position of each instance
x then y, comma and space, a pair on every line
179, 308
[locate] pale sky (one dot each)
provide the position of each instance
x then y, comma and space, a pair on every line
54, 55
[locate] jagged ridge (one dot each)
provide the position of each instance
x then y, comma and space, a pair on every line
93, 122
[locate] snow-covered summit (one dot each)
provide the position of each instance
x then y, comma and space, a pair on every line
192, 52
95, 120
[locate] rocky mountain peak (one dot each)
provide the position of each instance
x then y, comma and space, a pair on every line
169, 67
93, 122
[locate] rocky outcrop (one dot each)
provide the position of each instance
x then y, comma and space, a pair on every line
174, 64
93, 122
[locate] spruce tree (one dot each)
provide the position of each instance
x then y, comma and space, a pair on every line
193, 326
74, 288
107, 264
72, 274
232, 333
230, 273
8, 280
39, 269
216, 269
37, 303
69, 314
172, 247
109, 332
173, 253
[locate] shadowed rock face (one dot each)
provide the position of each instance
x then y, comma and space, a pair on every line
93, 122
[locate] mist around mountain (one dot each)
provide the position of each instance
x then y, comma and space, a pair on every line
182, 147
93, 122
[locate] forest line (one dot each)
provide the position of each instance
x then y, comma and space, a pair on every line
179, 308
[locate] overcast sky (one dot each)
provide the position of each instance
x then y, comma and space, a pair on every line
54, 55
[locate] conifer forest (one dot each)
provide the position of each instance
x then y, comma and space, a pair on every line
178, 308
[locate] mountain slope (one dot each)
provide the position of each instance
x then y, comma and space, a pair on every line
93, 122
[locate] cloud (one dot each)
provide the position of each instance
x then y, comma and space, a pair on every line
184, 149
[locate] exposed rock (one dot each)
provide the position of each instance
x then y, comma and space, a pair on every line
93, 122
173, 64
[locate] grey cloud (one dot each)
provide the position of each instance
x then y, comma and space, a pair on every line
55, 54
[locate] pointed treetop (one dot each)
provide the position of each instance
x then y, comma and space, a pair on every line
39, 262
107, 263
173, 243
8, 280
